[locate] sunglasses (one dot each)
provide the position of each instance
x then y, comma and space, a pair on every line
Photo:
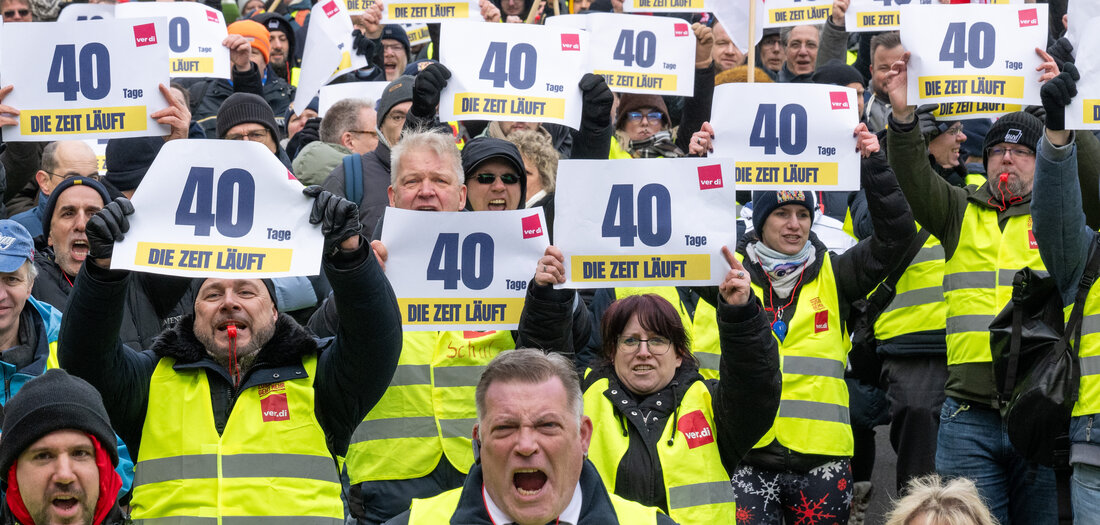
489, 178
22, 12
652, 116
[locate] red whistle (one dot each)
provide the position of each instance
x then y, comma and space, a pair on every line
231, 331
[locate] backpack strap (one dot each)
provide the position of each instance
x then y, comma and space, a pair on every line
1088, 277
353, 177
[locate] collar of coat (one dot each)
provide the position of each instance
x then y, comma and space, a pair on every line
286, 347
596, 508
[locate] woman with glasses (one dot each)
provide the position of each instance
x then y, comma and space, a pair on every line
643, 128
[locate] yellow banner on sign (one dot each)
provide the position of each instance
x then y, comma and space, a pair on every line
1092, 111
969, 85
493, 310
800, 173
193, 65
204, 258
878, 18
358, 5
955, 109
509, 105
399, 11
809, 14
418, 35
71, 121
666, 4
612, 268
626, 79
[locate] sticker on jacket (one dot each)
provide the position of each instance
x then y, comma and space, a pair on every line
695, 429
273, 405
821, 322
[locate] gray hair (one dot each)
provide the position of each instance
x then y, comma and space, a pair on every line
785, 33
32, 271
343, 116
419, 140
956, 503
527, 365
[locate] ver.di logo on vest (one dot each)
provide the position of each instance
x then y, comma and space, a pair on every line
695, 429
273, 404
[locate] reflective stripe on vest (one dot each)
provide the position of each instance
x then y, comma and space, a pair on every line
977, 280
697, 486
918, 303
703, 329
428, 411
271, 464
1088, 397
439, 509
813, 407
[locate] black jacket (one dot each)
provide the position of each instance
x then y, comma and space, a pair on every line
353, 368
210, 95
376, 178
596, 506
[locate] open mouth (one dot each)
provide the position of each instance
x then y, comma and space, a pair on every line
529, 482
79, 250
390, 66
497, 205
643, 369
237, 325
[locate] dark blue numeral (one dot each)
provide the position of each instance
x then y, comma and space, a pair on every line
642, 49
764, 134
443, 264
198, 194
977, 46
179, 34
495, 65
654, 202
62, 77
789, 134
479, 267
620, 205
515, 67
90, 75
236, 205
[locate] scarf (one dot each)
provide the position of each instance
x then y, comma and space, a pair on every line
784, 271
659, 145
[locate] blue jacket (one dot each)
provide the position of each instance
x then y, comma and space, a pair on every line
32, 219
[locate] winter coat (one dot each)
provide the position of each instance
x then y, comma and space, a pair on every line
276, 91
316, 160
376, 179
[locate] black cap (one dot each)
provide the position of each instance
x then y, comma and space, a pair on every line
47, 215
836, 73
396, 32
1020, 128
240, 108
765, 202
400, 90
481, 149
129, 159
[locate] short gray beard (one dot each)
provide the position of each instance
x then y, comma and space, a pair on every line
246, 355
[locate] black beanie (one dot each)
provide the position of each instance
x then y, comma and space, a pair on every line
53, 401
765, 202
47, 214
240, 108
481, 149
129, 159
836, 73
396, 32
1020, 128
400, 90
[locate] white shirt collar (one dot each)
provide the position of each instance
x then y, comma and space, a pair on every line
571, 514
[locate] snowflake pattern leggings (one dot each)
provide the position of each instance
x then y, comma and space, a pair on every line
821, 496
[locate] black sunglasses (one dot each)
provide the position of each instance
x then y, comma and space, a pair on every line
22, 12
489, 178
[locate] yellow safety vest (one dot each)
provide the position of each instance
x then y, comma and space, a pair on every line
918, 303
697, 486
616, 151
270, 464
428, 411
813, 407
703, 329
439, 509
977, 280
1088, 398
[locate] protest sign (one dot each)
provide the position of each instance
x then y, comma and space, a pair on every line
329, 52
785, 13
429, 11
195, 35
334, 93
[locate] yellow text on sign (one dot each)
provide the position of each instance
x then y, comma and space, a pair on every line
493, 310
667, 4
639, 80
399, 11
801, 173
203, 258
612, 268
509, 105
71, 121
193, 65
878, 19
969, 85
799, 14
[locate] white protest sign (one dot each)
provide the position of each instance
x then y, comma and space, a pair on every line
195, 35
791, 136
334, 93
462, 270
670, 6
429, 11
734, 17
1080, 17
220, 208
1083, 112
93, 79
513, 72
417, 33
974, 53
638, 54
74, 12
785, 13
876, 15
358, 7
644, 222
951, 111
328, 51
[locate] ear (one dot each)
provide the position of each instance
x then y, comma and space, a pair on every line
389, 191
345, 139
586, 433
462, 199
42, 178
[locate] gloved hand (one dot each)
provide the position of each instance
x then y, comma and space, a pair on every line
107, 226
1057, 94
311, 132
361, 44
926, 119
338, 217
1061, 52
429, 83
596, 99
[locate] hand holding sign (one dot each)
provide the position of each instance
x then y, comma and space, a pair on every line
551, 267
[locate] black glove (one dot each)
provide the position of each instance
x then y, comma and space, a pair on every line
927, 120
1038, 112
311, 132
108, 226
1061, 52
426, 88
361, 44
1057, 94
338, 217
596, 99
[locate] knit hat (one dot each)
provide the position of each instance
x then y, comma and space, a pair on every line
765, 202
632, 102
256, 34
276, 22
129, 159
45, 10
53, 401
16, 246
1014, 128
55, 194
400, 90
836, 73
396, 32
481, 149
240, 108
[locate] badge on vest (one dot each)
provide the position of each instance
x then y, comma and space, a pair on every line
821, 322
695, 429
1031, 240
273, 405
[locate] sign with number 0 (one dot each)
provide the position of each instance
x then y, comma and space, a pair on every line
195, 35
462, 270
220, 208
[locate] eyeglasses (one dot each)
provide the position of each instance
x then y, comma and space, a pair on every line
954, 130
1019, 151
637, 116
253, 136
396, 48
23, 13
655, 345
71, 174
489, 178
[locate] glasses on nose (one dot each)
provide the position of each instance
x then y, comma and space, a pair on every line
71, 174
954, 130
252, 136
655, 345
489, 178
1019, 151
394, 48
23, 13
638, 116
